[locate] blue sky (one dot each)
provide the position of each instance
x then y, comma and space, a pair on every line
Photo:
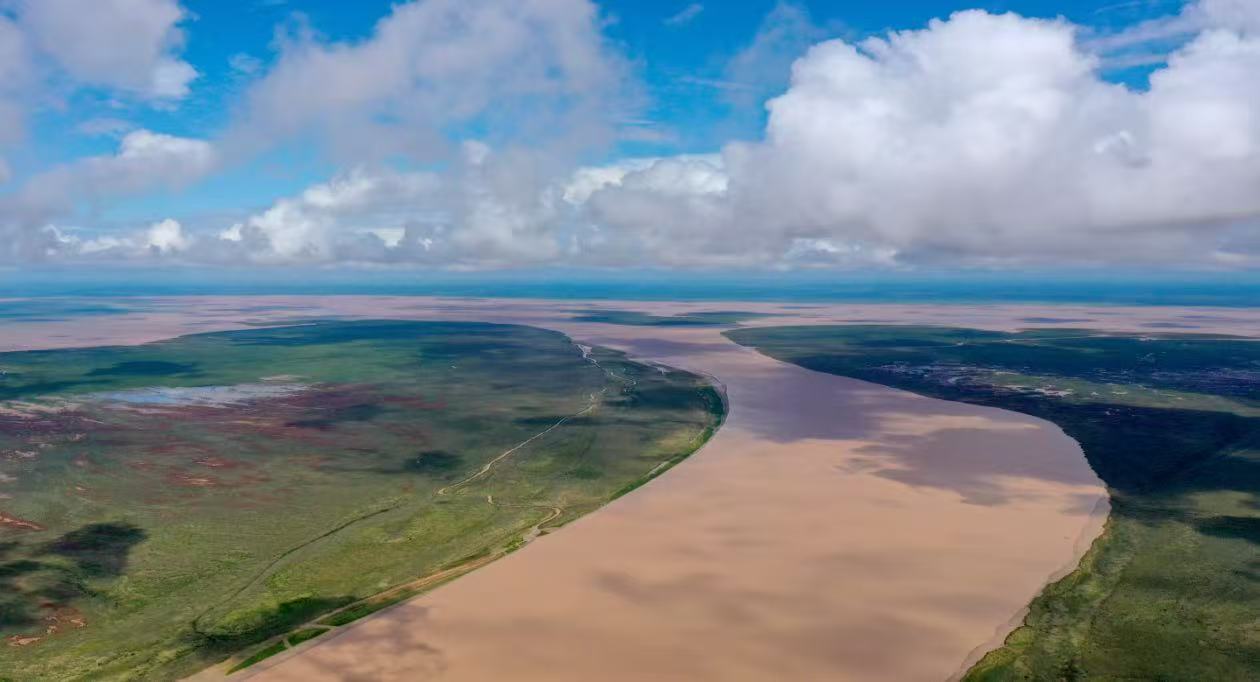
680, 63
672, 58
695, 78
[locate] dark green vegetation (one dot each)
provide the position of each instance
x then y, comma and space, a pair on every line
1172, 424
165, 506
637, 319
297, 638
260, 655
305, 635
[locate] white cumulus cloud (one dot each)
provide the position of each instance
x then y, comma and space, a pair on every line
983, 139
980, 139
487, 209
534, 69
125, 44
145, 161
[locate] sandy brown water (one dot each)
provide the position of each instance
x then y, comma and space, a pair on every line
832, 529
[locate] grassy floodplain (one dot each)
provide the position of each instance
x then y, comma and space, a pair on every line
1171, 423
165, 506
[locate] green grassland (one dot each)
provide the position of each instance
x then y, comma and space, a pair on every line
166, 506
1170, 422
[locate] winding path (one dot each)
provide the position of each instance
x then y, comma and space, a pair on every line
509, 452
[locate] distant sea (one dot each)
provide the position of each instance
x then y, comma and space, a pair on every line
1145, 289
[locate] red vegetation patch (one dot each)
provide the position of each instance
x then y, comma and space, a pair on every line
414, 402
15, 523
312, 462
56, 619
28, 426
331, 397
178, 450
221, 463
71, 425
314, 438
179, 469
20, 455
187, 480
195, 479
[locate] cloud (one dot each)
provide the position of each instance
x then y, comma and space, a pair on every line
15, 64
490, 209
164, 238
761, 69
536, 77
1231, 14
433, 69
1151, 41
245, 63
981, 140
128, 45
588, 180
486, 210
684, 16
50, 47
107, 126
15, 80
328, 221
144, 161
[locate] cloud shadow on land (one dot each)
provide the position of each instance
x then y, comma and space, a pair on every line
36, 580
99, 549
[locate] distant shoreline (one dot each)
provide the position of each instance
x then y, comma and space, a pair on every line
1237, 290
